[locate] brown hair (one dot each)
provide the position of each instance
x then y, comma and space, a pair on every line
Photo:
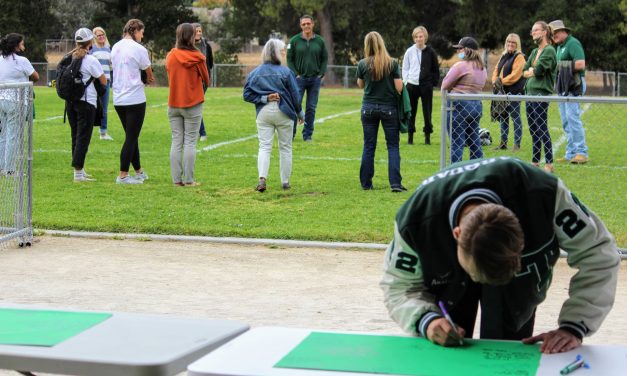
185, 34
378, 60
132, 26
492, 236
474, 57
81, 49
547, 28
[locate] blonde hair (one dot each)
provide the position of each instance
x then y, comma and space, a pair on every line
378, 60
420, 29
106, 42
513, 37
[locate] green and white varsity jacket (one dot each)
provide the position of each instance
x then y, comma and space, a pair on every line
421, 264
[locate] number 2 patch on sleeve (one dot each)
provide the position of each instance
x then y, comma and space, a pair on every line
570, 223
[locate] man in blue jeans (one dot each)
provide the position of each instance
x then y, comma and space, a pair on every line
307, 58
571, 81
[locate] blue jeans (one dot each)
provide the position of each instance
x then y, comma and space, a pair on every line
104, 101
538, 127
513, 112
573, 127
312, 86
465, 119
371, 115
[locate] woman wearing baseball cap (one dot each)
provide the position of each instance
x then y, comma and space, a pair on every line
467, 76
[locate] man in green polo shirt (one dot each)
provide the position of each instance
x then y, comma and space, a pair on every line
570, 82
307, 58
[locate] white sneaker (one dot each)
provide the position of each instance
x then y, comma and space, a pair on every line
203, 138
82, 177
141, 176
106, 137
86, 174
128, 180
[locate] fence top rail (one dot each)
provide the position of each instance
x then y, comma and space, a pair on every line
12, 85
535, 98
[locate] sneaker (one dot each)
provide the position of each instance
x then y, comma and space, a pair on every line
106, 137
308, 140
579, 159
82, 177
179, 184
141, 176
286, 186
261, 186
515, 148
192, 184
203, 138
399, 188
86, 174
128, 180
501, 146
562, 160
367, 187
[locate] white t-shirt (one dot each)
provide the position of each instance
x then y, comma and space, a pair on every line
90, 67
14, 68
411, 65
128, 58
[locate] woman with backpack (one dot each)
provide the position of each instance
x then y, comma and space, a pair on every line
187, 74
82, 113
129, 59
13, 68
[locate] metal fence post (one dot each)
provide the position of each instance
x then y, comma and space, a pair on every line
443, 126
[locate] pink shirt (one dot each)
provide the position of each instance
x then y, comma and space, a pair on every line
464, 78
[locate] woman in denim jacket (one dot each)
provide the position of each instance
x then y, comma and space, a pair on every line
273, 89
380, 77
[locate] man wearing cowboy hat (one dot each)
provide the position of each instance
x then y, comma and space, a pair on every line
571, 60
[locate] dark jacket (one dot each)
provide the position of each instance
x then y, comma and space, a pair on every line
429, 67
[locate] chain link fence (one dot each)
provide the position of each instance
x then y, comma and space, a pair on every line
531, 127
16, 156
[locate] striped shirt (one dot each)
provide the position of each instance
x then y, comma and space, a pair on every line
103, 54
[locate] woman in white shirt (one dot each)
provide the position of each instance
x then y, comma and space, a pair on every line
13, 68
129, 58
82, 113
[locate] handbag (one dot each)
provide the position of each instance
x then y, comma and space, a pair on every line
498, 108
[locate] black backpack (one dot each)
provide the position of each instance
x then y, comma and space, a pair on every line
69, 81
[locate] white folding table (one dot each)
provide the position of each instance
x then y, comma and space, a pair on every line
255, 352
125, 344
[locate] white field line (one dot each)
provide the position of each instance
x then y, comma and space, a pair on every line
339, 159
48, 119
557, 144
319, 121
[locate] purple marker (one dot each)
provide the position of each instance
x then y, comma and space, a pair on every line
449, 319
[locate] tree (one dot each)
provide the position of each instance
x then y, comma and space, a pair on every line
34, 20
161, 17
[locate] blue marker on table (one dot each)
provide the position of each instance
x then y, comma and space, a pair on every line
578, 363
449, 319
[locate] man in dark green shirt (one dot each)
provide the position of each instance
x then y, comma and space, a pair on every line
571, 62
307, 58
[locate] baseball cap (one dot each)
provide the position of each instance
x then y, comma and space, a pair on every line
468, 42
83, 35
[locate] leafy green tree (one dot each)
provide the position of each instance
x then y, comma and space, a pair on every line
161, 18
34, 20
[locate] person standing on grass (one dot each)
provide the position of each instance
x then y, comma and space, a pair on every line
129, 58
508, 74
421, 72
540, 74
82, 113
273, 90
571, 81
187, 75
467, 76
380, 77
490, 232
13, 68
307, 57
101, 50
205, 47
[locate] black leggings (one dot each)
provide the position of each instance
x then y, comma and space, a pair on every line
425, 93
132, 118
81, 117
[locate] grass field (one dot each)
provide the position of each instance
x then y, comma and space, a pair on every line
326, 201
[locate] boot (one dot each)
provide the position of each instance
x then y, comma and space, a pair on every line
427, 138
410, 138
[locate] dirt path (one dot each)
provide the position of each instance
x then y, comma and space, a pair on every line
261, 285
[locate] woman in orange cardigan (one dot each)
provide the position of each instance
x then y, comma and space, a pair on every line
187, 73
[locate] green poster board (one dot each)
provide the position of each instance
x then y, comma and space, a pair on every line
411, 356
44, 328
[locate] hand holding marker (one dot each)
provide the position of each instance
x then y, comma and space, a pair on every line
450, 320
